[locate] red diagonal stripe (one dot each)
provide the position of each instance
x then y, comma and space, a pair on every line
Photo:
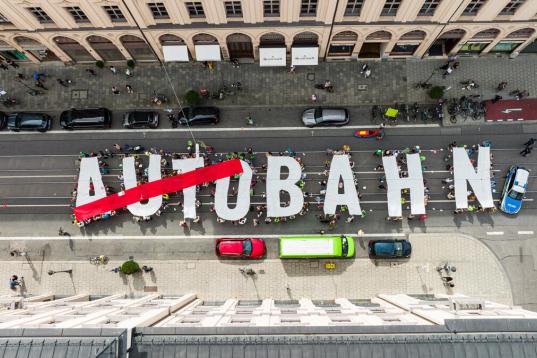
163, 186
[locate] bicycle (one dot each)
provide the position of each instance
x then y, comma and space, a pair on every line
99, 260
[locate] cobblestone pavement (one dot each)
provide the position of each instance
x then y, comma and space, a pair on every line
478, 273
391, 81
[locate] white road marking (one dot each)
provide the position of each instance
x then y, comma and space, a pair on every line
175, 237
495, 233
529, 232
225, 129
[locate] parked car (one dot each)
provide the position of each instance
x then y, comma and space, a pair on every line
514, 189
325, 117
28, 121
389, 249
141, 119
86, 118
3, 120
199, 115
240, 248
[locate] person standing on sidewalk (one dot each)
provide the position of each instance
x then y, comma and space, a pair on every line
314, 98
129, 89
113, 69
115, 90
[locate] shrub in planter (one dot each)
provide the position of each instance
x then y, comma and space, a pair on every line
99, 64
192, 98
129, 267
131, 63
436, 92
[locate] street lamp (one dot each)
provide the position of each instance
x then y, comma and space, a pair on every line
52, 272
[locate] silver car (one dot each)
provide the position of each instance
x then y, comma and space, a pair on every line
325, 117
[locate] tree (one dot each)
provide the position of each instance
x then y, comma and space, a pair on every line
131, 64
436, 92
130, 267
192, 98
99, 64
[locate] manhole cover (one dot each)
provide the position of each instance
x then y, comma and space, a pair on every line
310, 76
362, 87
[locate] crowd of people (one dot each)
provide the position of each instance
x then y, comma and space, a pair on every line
313, 193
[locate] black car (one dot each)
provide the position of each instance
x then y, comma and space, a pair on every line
3, 120
199, 115
28, 121
389, 249
86, 118
141, 119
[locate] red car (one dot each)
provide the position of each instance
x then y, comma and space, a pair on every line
240, 248
369, 133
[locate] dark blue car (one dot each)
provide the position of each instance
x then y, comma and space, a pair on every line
389, 249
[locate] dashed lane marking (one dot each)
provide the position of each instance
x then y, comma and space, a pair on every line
528, 232
495, 233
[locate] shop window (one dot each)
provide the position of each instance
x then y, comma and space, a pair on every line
340, 50
505, 47
403, 50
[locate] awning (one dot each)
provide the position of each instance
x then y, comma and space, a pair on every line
207, 52
272, 56
304, 56
175, 53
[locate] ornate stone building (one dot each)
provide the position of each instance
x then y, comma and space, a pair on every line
265, 31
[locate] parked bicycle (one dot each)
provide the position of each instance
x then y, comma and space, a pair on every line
99, 260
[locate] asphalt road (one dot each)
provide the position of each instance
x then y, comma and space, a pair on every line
38, 173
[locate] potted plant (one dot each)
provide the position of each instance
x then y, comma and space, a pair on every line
99, 64
129, 267
192, 98
131, 64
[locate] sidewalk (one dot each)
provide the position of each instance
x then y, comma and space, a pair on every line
391, 81
478, 274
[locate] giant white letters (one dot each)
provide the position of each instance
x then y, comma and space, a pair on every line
89, 173
464, 171
243, 196
189, 194
414, 182
129, 179
275, 184
340, 169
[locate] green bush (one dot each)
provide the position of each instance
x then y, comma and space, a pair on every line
99, 64
192, 98
131, 63
130, 267
436, 92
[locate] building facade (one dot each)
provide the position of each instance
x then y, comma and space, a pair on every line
263, 31
152, 325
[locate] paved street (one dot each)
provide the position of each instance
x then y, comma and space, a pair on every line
280, 279
38, 173
391, 81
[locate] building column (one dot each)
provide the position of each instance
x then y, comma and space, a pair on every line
490, 10
290, 11
142, 14
155, 45
255, 45
357, 47
408, 11
190, 45
214, 12
526, 11
491, 45
177, 11
526, 43
389, 47
371, 11
20, 17
95, 14
122, 49
58, 15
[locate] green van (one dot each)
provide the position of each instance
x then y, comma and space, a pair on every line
316, 247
